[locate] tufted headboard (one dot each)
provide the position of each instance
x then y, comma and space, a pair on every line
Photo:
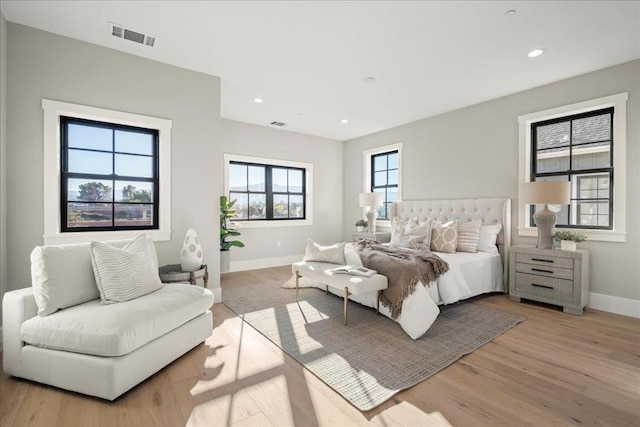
491, 211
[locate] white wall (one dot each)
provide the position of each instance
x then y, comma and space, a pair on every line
3, 159
326, 156
473, 152
44, 65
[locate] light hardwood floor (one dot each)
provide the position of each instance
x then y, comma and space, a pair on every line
552, 369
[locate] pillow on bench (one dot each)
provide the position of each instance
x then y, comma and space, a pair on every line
333, 254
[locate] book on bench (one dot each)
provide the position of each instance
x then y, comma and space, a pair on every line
353, 270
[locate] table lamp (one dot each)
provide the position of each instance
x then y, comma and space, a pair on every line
371, 201
546, 193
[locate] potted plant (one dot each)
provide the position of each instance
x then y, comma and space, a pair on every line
361, 224
569, 239
227, 212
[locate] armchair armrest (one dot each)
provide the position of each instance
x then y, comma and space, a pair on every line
17, 307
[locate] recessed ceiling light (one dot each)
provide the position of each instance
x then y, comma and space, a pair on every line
369, 80
258, 100
535, 52
344, 121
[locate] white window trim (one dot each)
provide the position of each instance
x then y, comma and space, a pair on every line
366, 158
308, 167
52, 174
619, 102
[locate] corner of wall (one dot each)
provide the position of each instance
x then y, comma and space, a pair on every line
3, 162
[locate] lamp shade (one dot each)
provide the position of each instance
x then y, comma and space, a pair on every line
546, 193
370, 199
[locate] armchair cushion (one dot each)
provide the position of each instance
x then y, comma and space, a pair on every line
117, 329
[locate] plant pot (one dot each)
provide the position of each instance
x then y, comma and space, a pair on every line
360, 228
567, 245
225, 261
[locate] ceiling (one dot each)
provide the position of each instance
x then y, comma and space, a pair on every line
307, 60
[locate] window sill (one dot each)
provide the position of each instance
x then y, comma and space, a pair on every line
101, 236
592, 235
270, 224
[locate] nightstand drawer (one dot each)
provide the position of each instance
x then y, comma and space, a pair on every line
558, 289
380, 236
545, 270
545, 260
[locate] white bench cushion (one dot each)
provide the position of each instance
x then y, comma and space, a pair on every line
356, 284
117, 329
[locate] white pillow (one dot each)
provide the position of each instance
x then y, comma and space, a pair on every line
468, 236
124, 274
61, 277
333, 254
488, 236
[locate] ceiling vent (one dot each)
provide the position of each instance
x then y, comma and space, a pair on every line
279, 124
127, 34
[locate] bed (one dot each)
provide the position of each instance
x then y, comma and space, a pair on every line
469, 275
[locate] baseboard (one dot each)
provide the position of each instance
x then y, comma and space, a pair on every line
255, 264
617, 305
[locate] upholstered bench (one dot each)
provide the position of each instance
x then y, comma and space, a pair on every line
352, 285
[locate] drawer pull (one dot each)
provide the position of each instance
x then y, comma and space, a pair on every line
542, 271
541, 286
542, 260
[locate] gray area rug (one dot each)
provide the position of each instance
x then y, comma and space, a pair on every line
371, 359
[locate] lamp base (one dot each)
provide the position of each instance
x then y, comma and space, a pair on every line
371, 219
545, 221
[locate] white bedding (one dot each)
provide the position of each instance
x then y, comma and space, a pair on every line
469, 274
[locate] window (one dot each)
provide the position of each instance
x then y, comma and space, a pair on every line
577, 148
384, 179
266, 191
106, 174
585, 144
269, 191
109, 176
382, 168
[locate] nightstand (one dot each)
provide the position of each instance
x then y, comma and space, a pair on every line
553, 276
382, 237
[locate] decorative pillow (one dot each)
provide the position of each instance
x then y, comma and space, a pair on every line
333, 254
468, 236
397, 229
400, 238
124, 274
423, 229
488, 237
406, 241
444, 237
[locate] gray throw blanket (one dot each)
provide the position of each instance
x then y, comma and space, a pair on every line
404, 268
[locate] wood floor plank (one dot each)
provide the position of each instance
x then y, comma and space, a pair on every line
552, 369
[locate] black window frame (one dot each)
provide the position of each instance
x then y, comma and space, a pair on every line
571, 173
65, 175
373, 187
269, 193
